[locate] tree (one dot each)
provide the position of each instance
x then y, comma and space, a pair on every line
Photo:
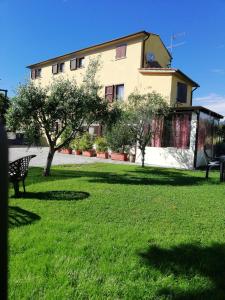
4, 105
62, 106
120, 136
142, 110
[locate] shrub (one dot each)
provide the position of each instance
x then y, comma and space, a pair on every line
120, 138
75, 144
101, 144
86, 142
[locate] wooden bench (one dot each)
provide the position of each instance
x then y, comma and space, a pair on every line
18, 171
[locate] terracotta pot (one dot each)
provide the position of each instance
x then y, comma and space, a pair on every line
103, 155
119, 156
88, 153
66, 151
78, 152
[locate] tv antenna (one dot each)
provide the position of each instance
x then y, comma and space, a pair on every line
174, 37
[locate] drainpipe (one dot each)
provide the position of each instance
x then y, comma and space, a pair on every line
143, 49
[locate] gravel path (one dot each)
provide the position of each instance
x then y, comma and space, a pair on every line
59, 159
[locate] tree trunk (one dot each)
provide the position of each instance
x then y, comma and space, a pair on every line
49, 162
143, 157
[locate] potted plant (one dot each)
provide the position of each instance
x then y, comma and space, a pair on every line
75, 144
101, 147
67, 149
120, 139
86, 145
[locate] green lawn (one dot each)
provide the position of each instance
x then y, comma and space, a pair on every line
105, 231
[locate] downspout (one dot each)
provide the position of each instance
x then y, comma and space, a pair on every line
143, 49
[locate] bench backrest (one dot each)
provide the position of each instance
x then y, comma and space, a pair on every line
19, 168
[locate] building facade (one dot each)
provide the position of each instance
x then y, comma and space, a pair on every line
140, 61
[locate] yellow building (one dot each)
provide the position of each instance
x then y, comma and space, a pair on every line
138, 61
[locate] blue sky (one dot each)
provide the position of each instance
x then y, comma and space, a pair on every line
32, 31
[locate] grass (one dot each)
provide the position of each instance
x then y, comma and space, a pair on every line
104, 231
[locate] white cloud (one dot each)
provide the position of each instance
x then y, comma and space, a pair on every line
212, 101
218, 71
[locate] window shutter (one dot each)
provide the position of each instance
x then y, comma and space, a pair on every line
121, 51
33, 73
109, 93
73, 64
55, 69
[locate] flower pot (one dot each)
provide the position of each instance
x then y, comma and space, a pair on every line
66, 151
119, 156
88, 153
78, 152
103, 155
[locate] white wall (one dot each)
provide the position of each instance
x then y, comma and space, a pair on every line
172, 157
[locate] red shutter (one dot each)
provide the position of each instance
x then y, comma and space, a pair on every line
33, 73
109, 93
55, 69
73, 64
121, 51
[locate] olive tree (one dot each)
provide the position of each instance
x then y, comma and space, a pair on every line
141, 111
62, 106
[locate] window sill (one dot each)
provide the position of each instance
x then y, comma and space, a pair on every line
181, 101
120, 58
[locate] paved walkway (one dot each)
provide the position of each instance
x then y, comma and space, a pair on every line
59, 159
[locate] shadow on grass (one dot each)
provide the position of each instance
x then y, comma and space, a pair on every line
20, 217
139, 176
187, 261
57, 195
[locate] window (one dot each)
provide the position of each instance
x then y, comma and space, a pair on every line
76, 63
35, 73
121, 51
61, 67
172, 131
119, 92
58, 68
114, 92
38, 73
80, 62
73, 64
176, 133
181, 92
